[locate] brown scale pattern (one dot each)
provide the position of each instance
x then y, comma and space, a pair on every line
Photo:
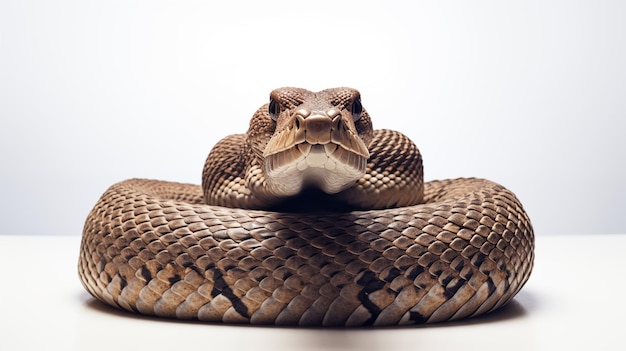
393, 171
153, 247
156, 248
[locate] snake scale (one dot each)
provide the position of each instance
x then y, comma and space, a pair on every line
310, 218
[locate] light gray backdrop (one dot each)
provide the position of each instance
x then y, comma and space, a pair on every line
531, 94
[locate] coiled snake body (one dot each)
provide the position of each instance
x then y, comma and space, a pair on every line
310, 218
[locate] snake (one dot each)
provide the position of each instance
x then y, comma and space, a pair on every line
310, 218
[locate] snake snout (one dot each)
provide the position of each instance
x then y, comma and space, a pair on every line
315, 129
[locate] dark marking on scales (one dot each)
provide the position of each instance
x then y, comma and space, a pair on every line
220, 286
370, 284
145, 273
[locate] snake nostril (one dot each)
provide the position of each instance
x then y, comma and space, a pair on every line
337, 123
301, 114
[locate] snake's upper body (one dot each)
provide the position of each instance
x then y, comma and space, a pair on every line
321, 141
312, 217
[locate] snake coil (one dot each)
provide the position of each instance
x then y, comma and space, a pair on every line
442, 250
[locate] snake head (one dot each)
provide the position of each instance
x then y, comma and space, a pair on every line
319, 140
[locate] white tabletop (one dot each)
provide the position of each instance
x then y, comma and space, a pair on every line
574, 300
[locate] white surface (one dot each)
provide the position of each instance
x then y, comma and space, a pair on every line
573, 301
94, 92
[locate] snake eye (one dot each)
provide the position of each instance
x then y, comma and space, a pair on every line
357, 109
274, 109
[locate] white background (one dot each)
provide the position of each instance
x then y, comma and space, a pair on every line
531, 94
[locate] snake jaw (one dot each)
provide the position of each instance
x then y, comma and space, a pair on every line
318, 149
329, 167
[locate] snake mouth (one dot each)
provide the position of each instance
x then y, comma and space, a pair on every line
317, 150
328, 167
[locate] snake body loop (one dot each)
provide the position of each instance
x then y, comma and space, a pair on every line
371, 245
